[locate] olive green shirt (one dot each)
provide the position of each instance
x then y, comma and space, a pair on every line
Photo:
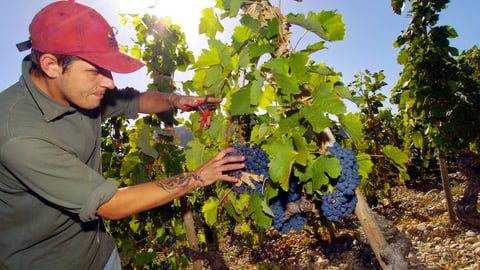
51, 179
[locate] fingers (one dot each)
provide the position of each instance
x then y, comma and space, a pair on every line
218, 167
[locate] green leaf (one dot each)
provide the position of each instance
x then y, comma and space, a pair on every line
365, 165
196, 155
209, 23
134, 224
143, 142
315, 47
257, 50
417, 139
256, 83
209, 210
328, 100
240, 102
303, 150
328, 25
145, 258
207, 58
396, 156
280, 71
298, 65
129, 163
213, 77
258, 208
321, 168
315, 115
232, 6
243, 202
397, 6
285, 125
267, 96
241, 34
139, 174
282, 156
230, 209
353, 126
127, 247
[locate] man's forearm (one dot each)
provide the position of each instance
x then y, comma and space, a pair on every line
155, 102
135, 199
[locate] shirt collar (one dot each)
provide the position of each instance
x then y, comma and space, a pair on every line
49, 107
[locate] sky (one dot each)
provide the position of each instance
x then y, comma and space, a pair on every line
371, 29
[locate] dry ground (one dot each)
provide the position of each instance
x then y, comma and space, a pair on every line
417, 215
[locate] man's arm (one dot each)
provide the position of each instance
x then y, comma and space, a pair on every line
156, 102
134, 199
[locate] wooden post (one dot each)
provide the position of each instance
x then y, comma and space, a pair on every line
446, 188
191, 232
372, 231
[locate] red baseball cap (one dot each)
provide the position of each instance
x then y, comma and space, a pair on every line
70, 28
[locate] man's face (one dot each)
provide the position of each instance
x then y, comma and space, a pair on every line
83, 85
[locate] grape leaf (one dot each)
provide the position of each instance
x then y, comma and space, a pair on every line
209, 24
243, 202
258, 210
240, 102
396, 156
134, 224
365, 165
328, 100
282, 156
303, 150
209, 210
129, 162
319, 170
232, 6
280, 69
328, 25
397, 6
196, 155
315, 115
267, 96
143, 142
207, 58
352, 125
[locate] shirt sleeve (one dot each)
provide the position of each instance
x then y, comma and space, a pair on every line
120, 102
56, 176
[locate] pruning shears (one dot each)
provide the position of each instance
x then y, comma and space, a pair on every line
204, 108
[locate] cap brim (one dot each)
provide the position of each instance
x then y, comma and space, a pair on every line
117, 62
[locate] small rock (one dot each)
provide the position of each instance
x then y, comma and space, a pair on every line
476, 245
471, 240
421, 227
470, 234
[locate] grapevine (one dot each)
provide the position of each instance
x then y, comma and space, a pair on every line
342, 200
256, 163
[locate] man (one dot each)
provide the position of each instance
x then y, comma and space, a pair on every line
52, 193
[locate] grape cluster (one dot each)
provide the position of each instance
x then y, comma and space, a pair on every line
297, 221
256, 162
342, 200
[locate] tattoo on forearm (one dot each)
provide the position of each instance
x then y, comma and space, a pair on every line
179, 181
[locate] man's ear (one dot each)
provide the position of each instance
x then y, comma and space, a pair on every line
49, 65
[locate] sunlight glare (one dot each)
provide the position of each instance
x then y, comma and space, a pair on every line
185, 13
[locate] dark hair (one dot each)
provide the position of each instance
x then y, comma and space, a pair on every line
64, 60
